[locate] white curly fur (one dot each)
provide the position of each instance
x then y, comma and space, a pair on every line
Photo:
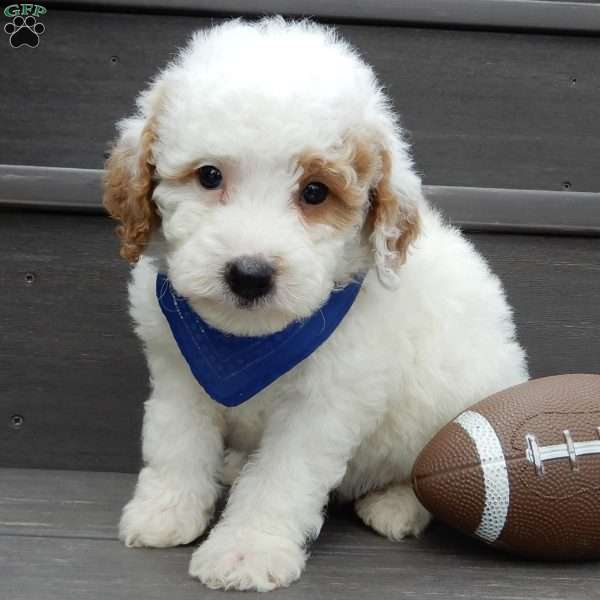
354, 415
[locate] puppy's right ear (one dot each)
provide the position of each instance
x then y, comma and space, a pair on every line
128, 186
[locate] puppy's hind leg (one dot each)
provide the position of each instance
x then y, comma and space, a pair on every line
393, 512
233, 464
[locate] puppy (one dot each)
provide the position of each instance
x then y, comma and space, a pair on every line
263, 174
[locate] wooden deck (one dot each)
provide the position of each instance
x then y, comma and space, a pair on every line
58, 541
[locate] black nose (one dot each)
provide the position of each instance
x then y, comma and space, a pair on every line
249, 277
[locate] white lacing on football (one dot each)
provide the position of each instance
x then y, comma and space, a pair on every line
495, 476
537, 454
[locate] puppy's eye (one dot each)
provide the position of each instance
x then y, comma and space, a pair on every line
210, 177
314, 193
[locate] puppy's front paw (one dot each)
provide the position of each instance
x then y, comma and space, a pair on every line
246, 559
394, 512
162, 515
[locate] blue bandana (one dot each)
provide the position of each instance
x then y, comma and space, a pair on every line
231, 368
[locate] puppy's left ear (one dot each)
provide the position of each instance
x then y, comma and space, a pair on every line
394, 218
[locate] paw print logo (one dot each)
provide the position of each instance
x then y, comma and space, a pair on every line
24, 31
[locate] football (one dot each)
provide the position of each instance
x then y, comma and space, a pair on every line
520, 470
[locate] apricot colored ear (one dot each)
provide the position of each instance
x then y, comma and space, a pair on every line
128, 187
394, 219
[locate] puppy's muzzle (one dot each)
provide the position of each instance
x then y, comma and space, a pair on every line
250, 277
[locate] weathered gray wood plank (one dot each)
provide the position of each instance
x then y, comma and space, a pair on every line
76, 560
483, 109
69, 363
472, 209
518, 211
516, 14
62, 503
78, 569
51, 188
553, 286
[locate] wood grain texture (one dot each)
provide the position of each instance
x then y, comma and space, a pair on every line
48, 503
553, 285
51, 188
72, 368
483, 109
76, 560
557, 15
518, 211
69, 363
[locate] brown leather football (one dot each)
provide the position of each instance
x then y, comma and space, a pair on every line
521, 469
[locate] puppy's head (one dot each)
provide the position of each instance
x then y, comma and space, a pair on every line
266, 167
